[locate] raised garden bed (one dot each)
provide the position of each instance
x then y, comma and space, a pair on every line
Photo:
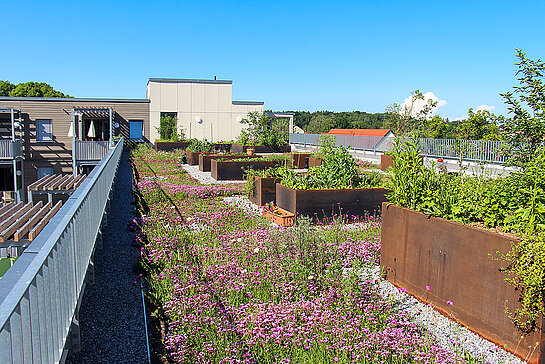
169, 146
204, 159
222, 147
314, 162
456, 262
326, 203
237, 148
264, 191
192, 157
279, 216
299, 160
234, 170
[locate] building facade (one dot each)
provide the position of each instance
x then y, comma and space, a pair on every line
204, 108
48, 129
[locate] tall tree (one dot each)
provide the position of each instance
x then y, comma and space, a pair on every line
6, 87
525, 129
408, 119
36, 89
480, 125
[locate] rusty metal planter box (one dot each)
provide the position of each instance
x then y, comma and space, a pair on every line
234, 170
314, 162
168, 146
385, 162
265, 190
299, 160
455, 260
237, 148
192, 158
204, 159
321, 203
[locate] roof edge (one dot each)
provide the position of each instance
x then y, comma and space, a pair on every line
88, 99
187, 80
248, 102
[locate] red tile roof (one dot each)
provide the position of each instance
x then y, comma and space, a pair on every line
361, 132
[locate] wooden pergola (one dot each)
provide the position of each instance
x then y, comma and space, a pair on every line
54, 185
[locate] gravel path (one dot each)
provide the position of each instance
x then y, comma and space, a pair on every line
205, 177
111, 314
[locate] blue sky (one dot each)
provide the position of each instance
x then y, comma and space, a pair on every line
305, 55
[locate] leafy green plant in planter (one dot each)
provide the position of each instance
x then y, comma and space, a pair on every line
196, 145
259, 131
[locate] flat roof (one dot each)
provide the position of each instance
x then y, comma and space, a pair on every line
187, 80
248, 103
88, 99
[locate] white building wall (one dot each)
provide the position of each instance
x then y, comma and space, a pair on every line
191, 99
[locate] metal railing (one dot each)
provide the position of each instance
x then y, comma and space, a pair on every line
91, 150
469, 150
10, 149
39, 294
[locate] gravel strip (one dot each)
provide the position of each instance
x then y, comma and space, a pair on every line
111, 314
205, 177
449, 334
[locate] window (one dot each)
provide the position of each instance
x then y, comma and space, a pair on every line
135, 129
43, 131
44, 171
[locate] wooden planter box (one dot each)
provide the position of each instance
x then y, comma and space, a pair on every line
192, 158
204, 159
234, 170
314, 162
237, 148
169, 146
326, 203
456, 262
280, 217
299, 160
264, 191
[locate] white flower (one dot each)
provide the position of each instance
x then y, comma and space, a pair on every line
311, 277
239, 240
256, 250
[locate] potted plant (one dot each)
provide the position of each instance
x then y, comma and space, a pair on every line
278, 215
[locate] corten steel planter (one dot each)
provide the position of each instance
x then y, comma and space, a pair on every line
234, 170
299, 160
169, 146
385, 162
264, 191
237, 148
192, 157
456, 262
314, 162
326, 203
280, 217
204, 160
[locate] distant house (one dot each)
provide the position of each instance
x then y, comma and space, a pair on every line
378, 139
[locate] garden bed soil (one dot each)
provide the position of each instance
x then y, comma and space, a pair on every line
264, 191
234, 170
204, 159
192, 158
170, 146
300, 160
457, 262
314, 162
327, 203
237, 148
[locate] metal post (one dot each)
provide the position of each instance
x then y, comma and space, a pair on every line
111, 129
74, 168
291, 125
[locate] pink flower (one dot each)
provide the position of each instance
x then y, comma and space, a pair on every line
428, 288
449, 302
335, 359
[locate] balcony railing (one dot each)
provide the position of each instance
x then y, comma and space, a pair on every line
39, 294
11, 149
91, 150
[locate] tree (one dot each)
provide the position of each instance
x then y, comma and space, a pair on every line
167, 128
36, 89
6, 87
259, 131
407, 120
525, 130
480, 125
435, 127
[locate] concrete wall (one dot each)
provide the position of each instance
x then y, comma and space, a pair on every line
209, 100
